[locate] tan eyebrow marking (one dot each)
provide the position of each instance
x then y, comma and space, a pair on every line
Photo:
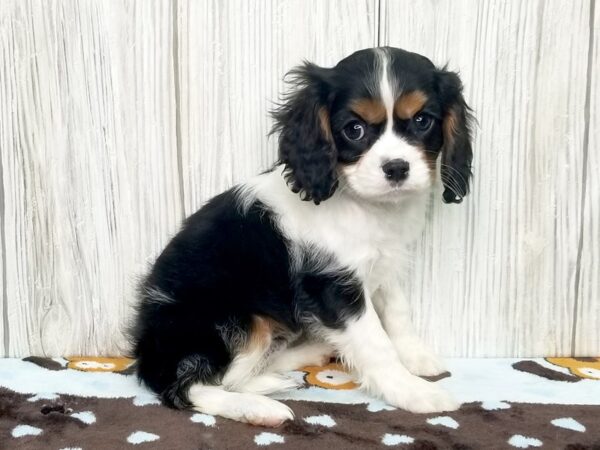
409, 104
370, 110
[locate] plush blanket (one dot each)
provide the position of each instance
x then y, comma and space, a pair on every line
96, 403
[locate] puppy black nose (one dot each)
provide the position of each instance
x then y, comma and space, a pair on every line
396, 170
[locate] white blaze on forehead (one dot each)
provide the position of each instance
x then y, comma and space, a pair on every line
367, 178
385, 88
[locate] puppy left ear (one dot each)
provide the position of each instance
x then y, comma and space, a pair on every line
306, 145
457, 152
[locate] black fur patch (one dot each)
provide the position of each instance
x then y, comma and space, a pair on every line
225, 267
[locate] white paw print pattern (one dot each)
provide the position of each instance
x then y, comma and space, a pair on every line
396, 439
445, 421
264, 439
494, 405
323, 420
25, 430
86, 417
139, 437
568, 423
520, 441
205, 419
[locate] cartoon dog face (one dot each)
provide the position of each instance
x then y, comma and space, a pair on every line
580, 367
331, 376
98, 364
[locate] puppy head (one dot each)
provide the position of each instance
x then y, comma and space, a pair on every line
378, 121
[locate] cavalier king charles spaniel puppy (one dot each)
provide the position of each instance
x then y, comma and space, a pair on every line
305, 260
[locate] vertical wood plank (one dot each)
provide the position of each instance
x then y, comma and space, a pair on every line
587, 331
89, 166
495, 276
233, 56
3, 299
5, 90
95, 173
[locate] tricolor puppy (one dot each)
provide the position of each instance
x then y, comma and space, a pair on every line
305, 260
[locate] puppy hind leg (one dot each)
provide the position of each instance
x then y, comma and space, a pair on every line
245, 371
269, 383
285, 360
237, 396
242, 407
306, 354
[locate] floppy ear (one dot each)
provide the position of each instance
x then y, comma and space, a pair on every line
306, 145
456, 151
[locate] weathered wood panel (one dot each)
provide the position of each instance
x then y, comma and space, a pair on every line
587, 328
89, 166
117, 118
495, 276
233, 56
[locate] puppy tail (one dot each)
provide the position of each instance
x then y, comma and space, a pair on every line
190, 370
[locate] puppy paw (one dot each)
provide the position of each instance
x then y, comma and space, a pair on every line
424, 364
242, 407
434, 399
269, 383
267, 414
419, 359
420, 396
313, 354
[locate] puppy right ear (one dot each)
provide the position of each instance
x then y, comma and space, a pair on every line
457, 152
306, 145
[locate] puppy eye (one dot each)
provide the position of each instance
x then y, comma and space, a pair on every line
354, 131
422, 122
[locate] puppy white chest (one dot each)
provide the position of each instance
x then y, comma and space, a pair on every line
369, 239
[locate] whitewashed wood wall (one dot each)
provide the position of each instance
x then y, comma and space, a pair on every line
119, 117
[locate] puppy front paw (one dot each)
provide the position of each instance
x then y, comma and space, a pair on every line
424, 364
419, 359
420, 396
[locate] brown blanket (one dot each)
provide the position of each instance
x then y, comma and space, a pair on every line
93, 403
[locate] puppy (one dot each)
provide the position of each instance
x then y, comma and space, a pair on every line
305, 260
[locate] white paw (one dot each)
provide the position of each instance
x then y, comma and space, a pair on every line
419, 359
270, 383
265, 412
314, 354
424, 364
319, 359
420, 396
243, 407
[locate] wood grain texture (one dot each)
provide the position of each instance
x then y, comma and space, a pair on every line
89, 166
495, 276
587, 330
233, 56
120, 117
